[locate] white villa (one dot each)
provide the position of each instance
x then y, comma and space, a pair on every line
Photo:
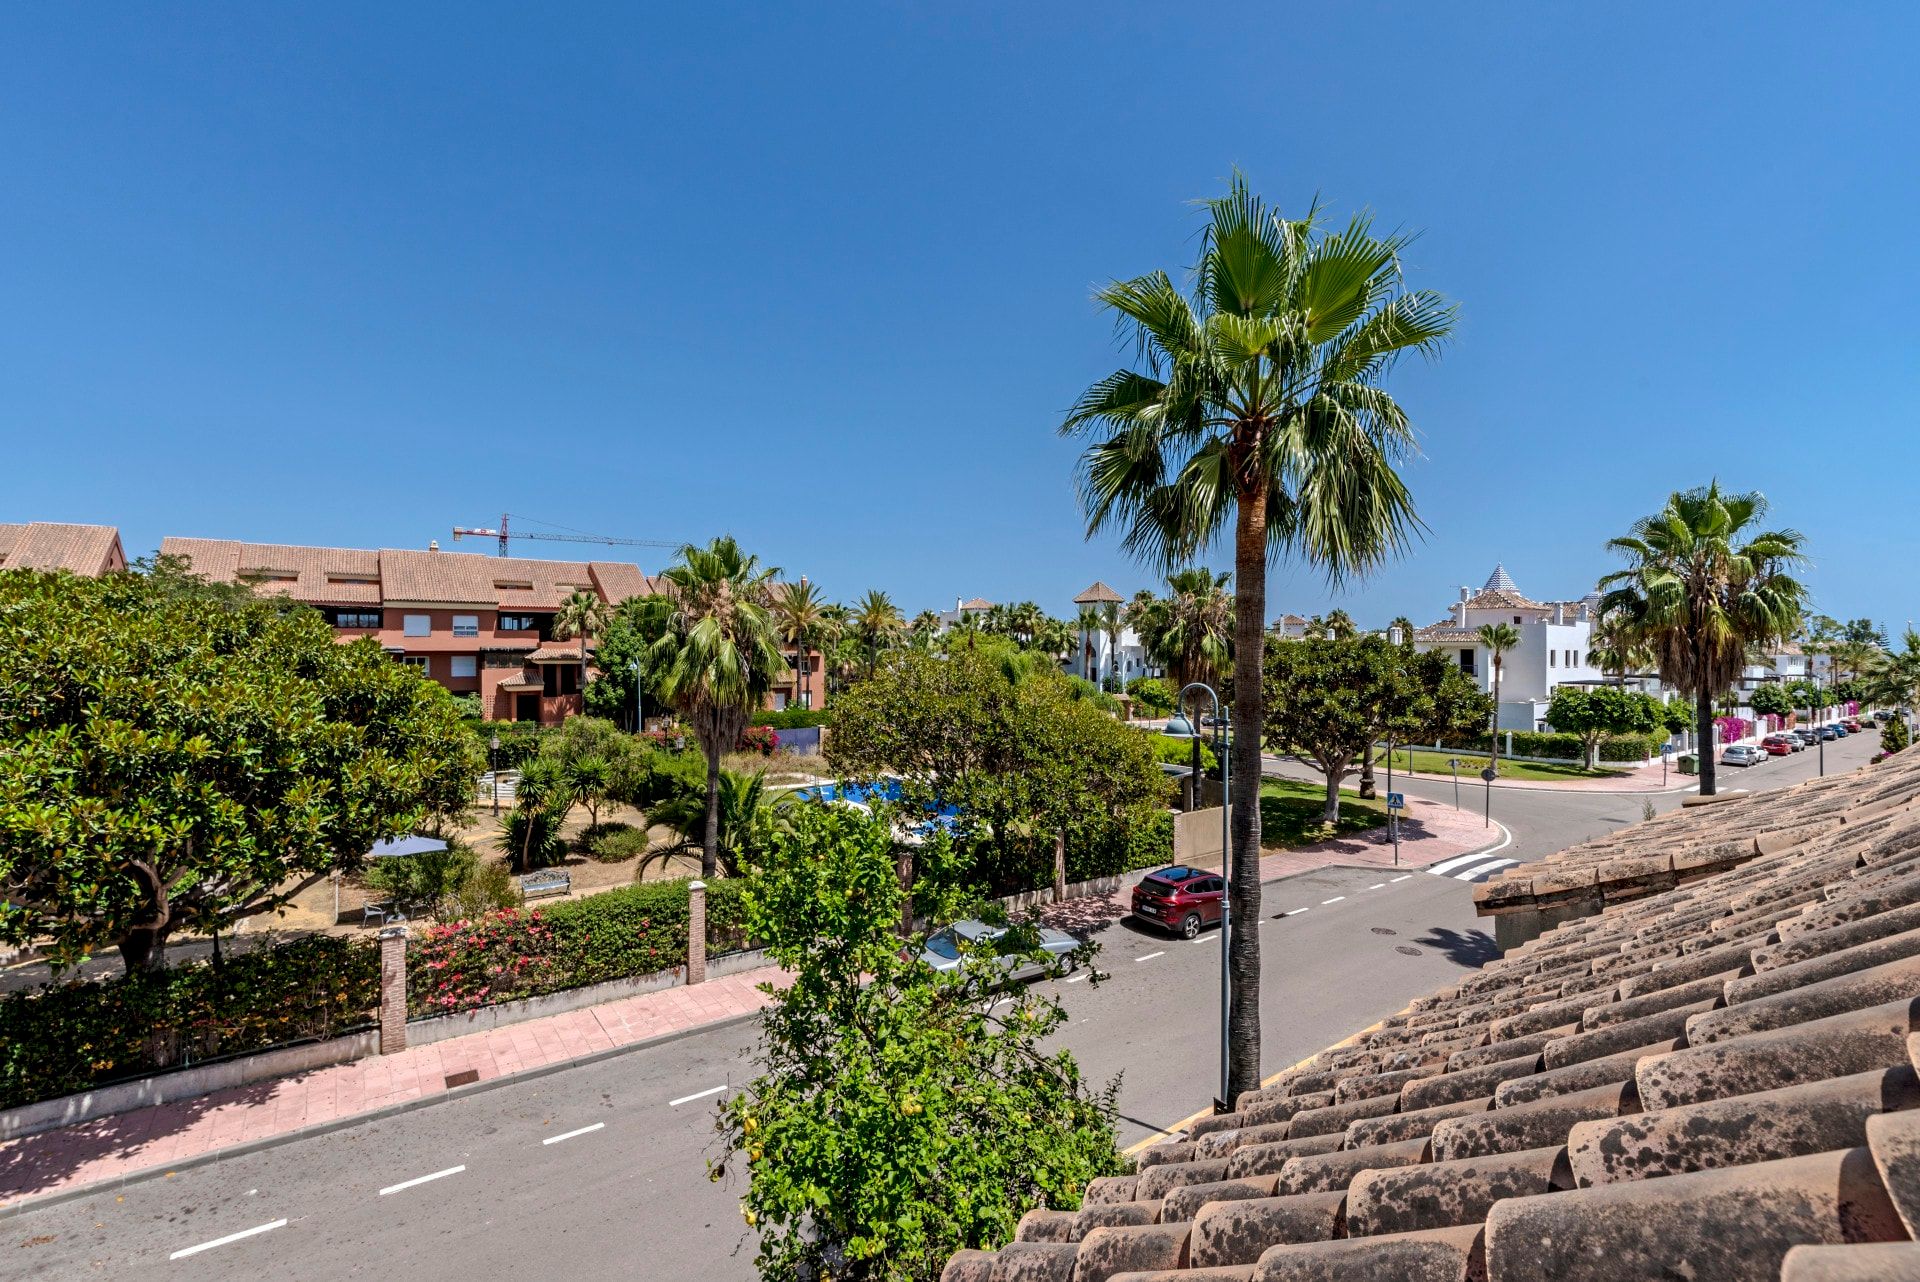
1097, 658
1554, 639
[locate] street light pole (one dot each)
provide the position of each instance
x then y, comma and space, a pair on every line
1176, 728
639, 719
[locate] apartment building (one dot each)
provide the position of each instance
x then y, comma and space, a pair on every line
479, 625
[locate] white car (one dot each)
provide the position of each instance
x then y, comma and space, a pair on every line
1742, 754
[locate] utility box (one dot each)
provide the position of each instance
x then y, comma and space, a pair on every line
1687, 764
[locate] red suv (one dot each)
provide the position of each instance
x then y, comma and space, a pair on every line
1181, 899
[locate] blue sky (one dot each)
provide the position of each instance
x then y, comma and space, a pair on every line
820, 276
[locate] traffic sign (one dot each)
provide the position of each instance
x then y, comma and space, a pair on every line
1396, 801
1489, 774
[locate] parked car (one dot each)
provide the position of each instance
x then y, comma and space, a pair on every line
942, 949
1839, 730
1180, 899
1742, 754
1780, 745
1852, 724
1827, 732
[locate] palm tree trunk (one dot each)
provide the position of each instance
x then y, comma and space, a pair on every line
1493, 729
1703, 726
1059, 867
710, 837
1249, 720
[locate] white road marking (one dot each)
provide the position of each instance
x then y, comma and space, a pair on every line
555, 1139
1446, 866
1074, 979
688, 1099
1336, 899
1408, 877
421, 1179
184, 1252
1376, 885
1474, 873
1293, 912
1151, 956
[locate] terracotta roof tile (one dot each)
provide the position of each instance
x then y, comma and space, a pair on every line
1099, 594
1714, 1079
58, 545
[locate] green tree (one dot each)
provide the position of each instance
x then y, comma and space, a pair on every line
1613, 648
924, 628
1771, 699
717, 656
1893, 676
170, 763
799, 611
1894, 736
898, 1115
749, 815
1329, 701
1189, 631
1595, 714
1153, 694
1704, 585
1498, 638
1258, 406
584, 615
878, 624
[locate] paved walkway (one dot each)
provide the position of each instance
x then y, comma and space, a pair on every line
1628, 779
112, 1148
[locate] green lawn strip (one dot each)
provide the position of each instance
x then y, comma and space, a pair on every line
1290, 813
1427, 761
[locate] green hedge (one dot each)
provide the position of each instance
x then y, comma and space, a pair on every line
1567, 747
793, 718
76, 1036
1126, 846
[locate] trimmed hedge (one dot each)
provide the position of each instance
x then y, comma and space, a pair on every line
1567, 747
793, 718
71, 1037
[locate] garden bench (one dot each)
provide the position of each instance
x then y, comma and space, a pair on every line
536, 884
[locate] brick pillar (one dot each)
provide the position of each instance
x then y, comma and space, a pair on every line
393, 989
697, 932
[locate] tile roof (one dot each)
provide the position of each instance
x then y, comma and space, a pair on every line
1500, 581
1500, 599
978, 603
1447, 631
59, 545
354, 576
1713, 1078
1098, 594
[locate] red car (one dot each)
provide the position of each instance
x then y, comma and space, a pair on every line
1852, 724
1180, 899
1776, 745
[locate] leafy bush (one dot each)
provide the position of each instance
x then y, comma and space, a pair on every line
760, 739
793, 718
1567, 747
1153, 695
1179, 752
75, 1036
430, 878
518, 953
519, 742
488, 888
1894, 735
614, 843
544, 848
727, 930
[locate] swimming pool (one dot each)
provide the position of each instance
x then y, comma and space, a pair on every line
863, 794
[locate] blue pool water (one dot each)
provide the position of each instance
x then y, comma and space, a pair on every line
861, 794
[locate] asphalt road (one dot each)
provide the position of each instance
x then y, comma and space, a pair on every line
631, 1198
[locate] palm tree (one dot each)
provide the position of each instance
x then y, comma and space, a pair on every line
1612, 648
1189, 632
1258, 408
799, 611
923, 629
583, 614
717, 657
1051, 637
1703, 585
1893, 676
1090, 622
878, 623
1340, 625
1111, 624
1498, 638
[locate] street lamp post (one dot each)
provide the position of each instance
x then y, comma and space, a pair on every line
639, 718
493, 770
1178, 728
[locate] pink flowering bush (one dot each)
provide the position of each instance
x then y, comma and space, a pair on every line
760, 739
1733, 729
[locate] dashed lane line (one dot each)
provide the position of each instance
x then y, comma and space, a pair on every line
1151, 956
688, 1099
1336, 899
555, 1139
184, 1252
1408, 877
1376, 885
421, 1179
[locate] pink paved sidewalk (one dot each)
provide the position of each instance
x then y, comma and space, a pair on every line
110, 1148
1627, 779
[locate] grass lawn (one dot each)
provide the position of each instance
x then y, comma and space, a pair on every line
1290, 813
1427, 761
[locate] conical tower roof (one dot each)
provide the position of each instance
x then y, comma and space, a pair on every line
1098, 594
1501, 581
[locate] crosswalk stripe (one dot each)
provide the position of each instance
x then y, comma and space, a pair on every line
1478, 870
1447, 866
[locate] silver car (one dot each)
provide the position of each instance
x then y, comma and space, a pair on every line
1741, 754
942, 949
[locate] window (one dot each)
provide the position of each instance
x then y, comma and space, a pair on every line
1550, 658
559, 678
1516, 618
353, 618
466, 625
417, 625
515, 623
464, 665
417, 661
1466, 661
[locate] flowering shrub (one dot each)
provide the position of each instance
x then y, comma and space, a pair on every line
1733, 729
760, 739
74, 1036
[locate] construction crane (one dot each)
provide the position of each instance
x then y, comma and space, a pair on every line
506, 532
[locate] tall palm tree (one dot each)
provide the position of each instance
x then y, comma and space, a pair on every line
717, 657
1257, 409
878, 623
583, 614
1089, 623
1893, 676
1340, 625
923, 629
1189, 632
799, 611
1613, 648
1498, 638
1704, 584
1112, 624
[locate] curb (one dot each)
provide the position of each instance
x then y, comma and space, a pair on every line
8, 1210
